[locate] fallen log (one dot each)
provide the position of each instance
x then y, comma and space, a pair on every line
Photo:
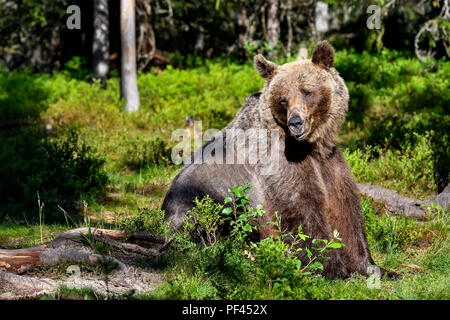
76, 246
65, 247
395, 203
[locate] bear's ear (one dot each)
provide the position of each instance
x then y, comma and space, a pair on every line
265, 68
323, 55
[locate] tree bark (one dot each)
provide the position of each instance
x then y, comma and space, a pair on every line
289, 23
273, 25
100, 43
321, 17
128, 38
62, 248
128, 251
146, 44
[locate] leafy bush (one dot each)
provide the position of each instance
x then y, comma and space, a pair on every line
407, 170
22, 97
204, 220
388, 233
394, 98
32, 162
142, 153
242, 216
151, 220
239, 268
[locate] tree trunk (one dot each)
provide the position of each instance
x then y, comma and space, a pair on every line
289, 23
61, 249
146, 44
100, 43
273, 25
128, 37
321, 18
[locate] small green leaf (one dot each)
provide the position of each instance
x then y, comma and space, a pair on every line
335, 245
227, 211
309, 253
242, 217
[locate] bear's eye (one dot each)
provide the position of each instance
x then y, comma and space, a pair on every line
283, 101
307, 94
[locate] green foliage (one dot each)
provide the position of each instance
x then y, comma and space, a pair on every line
101, 248
277, 258
22, 97
76, 68
59, 170
241, 215
388, 233
211, 93
151, 220
408, 169
204, 220
142, 153
239, 268
394, 99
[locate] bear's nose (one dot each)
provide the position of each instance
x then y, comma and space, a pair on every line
295, 124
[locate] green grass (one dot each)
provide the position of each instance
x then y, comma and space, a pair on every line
395, 135
15, 235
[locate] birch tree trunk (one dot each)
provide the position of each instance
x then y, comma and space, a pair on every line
289, 23
322, 17
273, 25
128, 38
100, 43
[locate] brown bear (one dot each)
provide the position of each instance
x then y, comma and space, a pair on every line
311, 185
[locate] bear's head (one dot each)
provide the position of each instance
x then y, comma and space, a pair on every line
307, 98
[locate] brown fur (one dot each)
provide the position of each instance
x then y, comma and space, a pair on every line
312, 186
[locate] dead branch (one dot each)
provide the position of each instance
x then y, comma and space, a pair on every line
16, 265
65, 247
434, 31
398, 204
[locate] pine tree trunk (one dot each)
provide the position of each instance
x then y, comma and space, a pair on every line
289, 23
100, 43
273, 25
321, 18
128, 37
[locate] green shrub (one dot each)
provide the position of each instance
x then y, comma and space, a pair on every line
408, 170
242, 216
239, 268
388, 233
76, 68
361, 98
204, 219
142, 153
58, 170
151, 220
22, 97
393, 98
